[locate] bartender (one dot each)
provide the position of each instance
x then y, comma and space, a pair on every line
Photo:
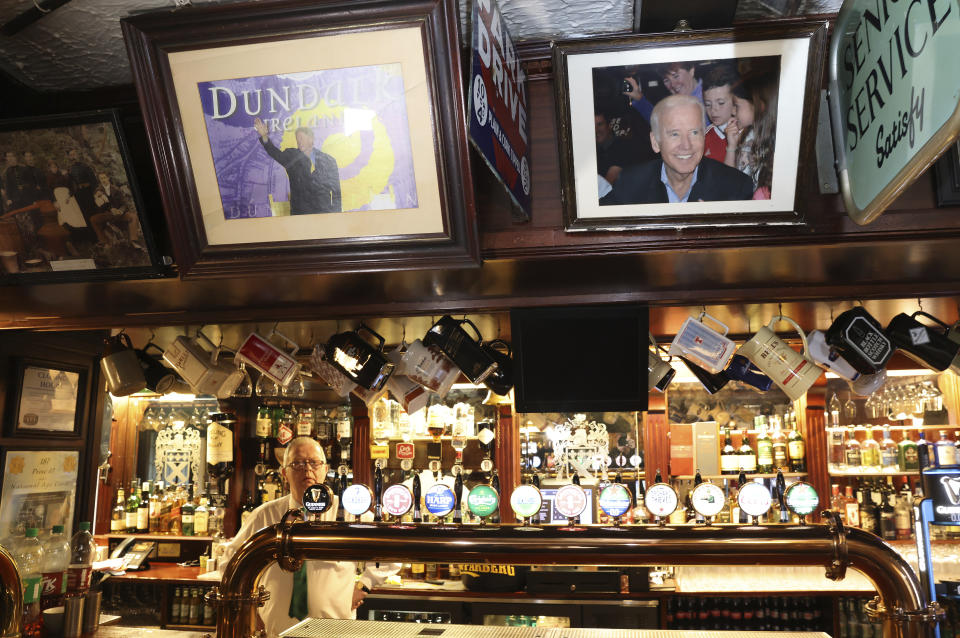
321, 589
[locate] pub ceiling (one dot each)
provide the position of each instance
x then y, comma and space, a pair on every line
77, 45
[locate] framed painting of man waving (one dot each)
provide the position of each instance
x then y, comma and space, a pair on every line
319, 137
687, 129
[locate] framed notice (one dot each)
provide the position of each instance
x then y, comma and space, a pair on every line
318, 137
39, 490
687, 129
48, 399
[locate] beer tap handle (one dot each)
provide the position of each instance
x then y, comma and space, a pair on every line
417, 517
458, 493
341, 486
495, 484
378, 495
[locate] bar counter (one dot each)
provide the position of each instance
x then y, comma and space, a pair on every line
148, 632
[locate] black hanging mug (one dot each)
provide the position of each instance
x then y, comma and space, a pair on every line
362, 363
160, 378
924, 344
860, 340
468, 353
500, 380
711, 382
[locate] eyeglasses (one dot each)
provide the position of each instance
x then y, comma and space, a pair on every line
301, 466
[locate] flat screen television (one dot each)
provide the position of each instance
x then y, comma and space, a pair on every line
580, 358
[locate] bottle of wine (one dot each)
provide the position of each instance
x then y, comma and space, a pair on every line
220, 444
118, 518
133, 504
154, 507
764, 447
729, 459
246, 508
780, 458
143, 509
748, 460
797, 450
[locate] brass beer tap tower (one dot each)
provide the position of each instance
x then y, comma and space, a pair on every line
11, 605
901, 605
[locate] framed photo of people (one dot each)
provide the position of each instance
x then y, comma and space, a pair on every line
688, 129
70, 208
319, 137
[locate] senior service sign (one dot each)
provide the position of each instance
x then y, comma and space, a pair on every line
498, 103
894, 95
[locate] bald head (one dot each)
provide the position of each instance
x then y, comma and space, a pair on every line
305, 442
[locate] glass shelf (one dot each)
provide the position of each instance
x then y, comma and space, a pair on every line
734, 476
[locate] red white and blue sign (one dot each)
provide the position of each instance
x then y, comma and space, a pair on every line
439, 500
498, 103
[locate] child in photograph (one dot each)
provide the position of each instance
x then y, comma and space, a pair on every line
751, 136
719, 103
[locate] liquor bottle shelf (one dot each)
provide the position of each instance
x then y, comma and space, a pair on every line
892, 427
872, 474
734, 476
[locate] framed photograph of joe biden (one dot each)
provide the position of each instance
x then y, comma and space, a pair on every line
308, 138
687, 129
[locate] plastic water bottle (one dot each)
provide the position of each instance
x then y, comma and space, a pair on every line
56, 561
29, 557
82, 551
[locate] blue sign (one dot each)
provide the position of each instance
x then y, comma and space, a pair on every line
498, 104
439, 500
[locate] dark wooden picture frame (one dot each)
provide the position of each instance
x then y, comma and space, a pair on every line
948, 177
166, 47
800, 47
25, 380
71, 209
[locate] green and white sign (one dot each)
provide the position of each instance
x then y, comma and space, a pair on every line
526, 501
894, 96
483, 500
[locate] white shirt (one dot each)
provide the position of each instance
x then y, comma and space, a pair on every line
330, 584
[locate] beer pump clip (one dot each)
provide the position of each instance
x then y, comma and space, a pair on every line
317, 499
707, 500
483, 501
570, 501
802, 499
754, 500
661, 500
615, 500
526, 501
